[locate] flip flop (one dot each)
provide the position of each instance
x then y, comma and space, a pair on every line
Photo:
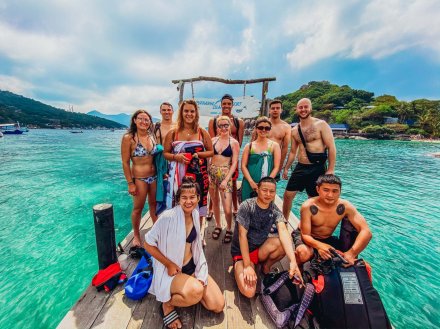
209, 216
228, 237
216, 233
169, 318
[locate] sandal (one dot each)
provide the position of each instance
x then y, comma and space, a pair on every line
169, 318
228, 237
209, 216
216, 233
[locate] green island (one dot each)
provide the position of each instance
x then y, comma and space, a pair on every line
382, 117
34, 114
360, 113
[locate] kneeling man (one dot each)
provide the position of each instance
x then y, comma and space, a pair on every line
321, 215
252, 246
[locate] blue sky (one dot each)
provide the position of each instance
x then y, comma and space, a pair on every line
117, 56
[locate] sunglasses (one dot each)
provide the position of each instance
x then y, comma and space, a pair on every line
267, 128
143, 120
224, 126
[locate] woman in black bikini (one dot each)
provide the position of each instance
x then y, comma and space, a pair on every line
138, 147
181, 276
223, 165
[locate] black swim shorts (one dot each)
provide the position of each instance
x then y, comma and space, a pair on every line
304, 176
332, 240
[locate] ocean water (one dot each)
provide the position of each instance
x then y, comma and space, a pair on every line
50, 180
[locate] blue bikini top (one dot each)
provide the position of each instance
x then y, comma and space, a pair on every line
227, 152
141, 151
192, 235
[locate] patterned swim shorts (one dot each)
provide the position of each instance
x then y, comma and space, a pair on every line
216, 176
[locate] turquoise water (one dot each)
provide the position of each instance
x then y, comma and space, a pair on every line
50, 179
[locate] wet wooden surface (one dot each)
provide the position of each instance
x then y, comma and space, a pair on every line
114, 310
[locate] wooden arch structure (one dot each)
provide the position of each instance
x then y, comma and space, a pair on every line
265, 86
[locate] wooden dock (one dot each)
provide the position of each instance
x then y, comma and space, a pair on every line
114, 310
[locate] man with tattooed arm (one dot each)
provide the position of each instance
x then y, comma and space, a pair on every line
313, 142
321, 215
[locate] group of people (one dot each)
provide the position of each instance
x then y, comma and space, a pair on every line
176, 165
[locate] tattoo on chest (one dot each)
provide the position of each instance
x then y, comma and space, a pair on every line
340, 209
313, 209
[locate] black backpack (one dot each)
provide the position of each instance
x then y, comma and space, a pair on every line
348, 298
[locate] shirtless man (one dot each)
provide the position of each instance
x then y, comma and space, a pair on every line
237, 131
319, 139
321, 215
280, 131
162, 128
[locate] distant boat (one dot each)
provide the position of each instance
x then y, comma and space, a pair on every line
12, 129
76, 131
1, 134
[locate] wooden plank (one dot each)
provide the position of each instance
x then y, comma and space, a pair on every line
113, 310
118, 309
226, 81
216, 268
238, 310
85, 311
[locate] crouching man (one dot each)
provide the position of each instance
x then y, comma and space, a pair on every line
321, 215
252, 246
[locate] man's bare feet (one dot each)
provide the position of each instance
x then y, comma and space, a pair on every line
167, 309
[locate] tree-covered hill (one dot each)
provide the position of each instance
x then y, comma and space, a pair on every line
364, 112
27, 111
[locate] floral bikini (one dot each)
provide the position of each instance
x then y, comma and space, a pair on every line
140, 151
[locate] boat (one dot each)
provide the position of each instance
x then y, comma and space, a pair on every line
1, 134
76, 131
12, 128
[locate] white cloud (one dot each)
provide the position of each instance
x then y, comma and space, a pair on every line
201, 55
122, 99
352, 29
15, 85
121, 56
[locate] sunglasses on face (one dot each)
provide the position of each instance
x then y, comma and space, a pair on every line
266, 128
224, 126
144, 120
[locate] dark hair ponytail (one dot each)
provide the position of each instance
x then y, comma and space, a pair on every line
188, 183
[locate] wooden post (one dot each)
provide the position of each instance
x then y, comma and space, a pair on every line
105, 234
263, 97
181, 89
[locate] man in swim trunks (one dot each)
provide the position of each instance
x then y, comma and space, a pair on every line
162, 128
280, 131
237, 131
252, 246
318, 137
321, 215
